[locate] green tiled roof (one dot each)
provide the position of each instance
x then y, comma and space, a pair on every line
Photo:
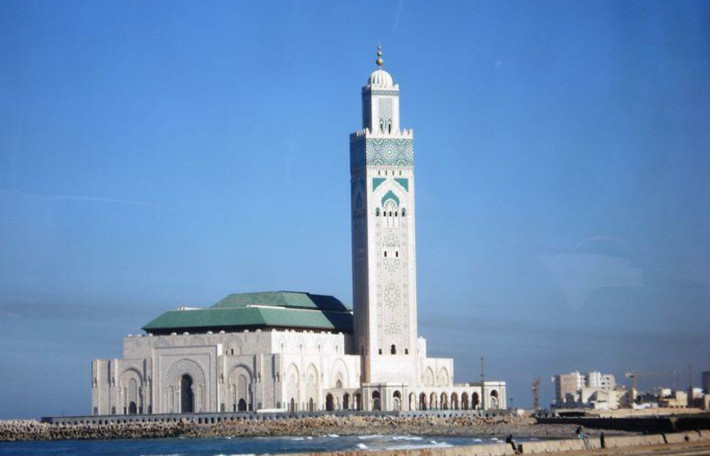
259, 310
292, 299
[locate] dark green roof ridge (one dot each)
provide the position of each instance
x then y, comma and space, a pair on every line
239, 311
294, 299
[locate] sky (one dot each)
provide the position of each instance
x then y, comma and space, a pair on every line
167, 153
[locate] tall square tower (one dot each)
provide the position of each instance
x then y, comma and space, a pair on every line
383, 236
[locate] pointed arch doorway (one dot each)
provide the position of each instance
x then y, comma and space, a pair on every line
187, 396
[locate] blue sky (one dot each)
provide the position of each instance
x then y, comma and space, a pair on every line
159, 154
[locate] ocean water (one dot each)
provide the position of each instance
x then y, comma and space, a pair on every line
226, 446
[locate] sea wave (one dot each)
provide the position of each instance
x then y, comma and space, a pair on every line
362, 446
407, 437
433, 444
368, 437
171, 454
236, 454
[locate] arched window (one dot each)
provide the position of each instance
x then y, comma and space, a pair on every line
396, 253
379, 351
404, 212
406, 351
377, 212
393, 350
385, 253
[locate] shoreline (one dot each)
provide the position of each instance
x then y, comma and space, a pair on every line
468, 426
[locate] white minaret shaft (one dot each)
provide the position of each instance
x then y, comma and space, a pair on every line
383, 236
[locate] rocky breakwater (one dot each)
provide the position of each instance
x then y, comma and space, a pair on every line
499, 426
17, 430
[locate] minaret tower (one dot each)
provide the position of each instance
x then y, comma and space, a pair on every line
383, 242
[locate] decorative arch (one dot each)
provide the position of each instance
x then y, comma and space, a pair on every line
443, 377
312, 387
454, 401
444, 403
339, 373
293, 379
171, 385
428, 377
329, 402
474, 401
130, 383
390, 196
464, 401
239, 391
376, 403
494, 400
397, 401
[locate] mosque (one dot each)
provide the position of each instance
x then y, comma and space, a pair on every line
297, 351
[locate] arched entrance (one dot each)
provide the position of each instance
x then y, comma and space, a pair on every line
358, 401
444, 404
292, 405
494, 400
454, 401
311, 405
422, 401
242, 406
376, 400
346, 401
132, 409
397, 401
474, 401
187, 396
464, 401
412, 401
329, 403
432, 401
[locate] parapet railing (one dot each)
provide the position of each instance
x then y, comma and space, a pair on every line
219, 417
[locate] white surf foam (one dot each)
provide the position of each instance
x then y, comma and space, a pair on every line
419, 447
368, 437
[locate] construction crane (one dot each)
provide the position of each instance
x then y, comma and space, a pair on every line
535, 390
634, 376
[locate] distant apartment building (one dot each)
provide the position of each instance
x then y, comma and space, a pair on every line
677, 399
590, 390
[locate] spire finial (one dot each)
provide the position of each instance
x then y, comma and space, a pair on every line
379, 60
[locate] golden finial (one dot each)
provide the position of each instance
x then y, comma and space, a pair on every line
379, 60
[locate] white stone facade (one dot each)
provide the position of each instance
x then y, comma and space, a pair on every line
230, 372
383, 365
